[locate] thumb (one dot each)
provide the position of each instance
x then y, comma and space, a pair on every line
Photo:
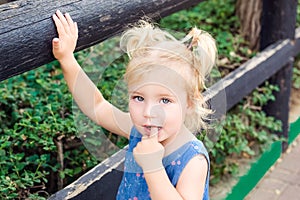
55, 43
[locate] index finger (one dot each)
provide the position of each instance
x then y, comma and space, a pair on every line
59, 26
153, 134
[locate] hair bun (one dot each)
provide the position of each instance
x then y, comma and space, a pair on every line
204, 50
143, 35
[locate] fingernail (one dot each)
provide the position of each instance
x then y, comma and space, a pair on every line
55, 40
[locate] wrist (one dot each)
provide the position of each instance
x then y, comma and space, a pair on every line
66, 59
69, 64
150, 162
153, 170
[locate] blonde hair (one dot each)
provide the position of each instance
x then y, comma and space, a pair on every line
143, 40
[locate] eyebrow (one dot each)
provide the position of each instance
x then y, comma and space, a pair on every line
163, 94
166, 95
159, 95
134, 92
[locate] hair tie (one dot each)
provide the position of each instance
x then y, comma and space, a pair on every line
194, 34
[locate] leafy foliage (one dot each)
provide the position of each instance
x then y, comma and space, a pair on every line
36, 115
296, 73
219, 19
244, 133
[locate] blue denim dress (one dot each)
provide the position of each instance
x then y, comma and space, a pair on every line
133, 185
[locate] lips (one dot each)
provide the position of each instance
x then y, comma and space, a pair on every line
148, 128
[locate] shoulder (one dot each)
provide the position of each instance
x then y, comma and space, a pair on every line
193, 149
198, 159
195, 174
185, 154
192, 181
199, 147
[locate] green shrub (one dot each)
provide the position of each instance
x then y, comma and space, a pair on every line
296, 73
244, 133
35, 115
219, 19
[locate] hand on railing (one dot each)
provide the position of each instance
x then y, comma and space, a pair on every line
64, 45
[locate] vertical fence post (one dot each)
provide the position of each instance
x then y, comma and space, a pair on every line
279, 22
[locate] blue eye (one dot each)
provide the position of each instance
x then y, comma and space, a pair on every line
138, 98
165, 101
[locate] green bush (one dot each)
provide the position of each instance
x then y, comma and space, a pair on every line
35, 116
244, 133
296, 73
219, 19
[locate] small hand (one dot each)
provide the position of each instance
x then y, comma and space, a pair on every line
64, 46
149, 152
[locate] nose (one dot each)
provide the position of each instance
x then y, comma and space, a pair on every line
155, 113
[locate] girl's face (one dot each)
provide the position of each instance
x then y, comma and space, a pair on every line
159, 100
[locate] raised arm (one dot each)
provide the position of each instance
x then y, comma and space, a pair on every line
85, 93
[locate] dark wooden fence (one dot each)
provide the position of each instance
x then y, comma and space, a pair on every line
26, 27
25, 41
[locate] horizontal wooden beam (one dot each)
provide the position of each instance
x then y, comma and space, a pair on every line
231, 89
27, 28
101, 182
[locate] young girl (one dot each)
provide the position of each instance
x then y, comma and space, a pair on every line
165, 78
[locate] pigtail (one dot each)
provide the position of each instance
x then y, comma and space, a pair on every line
204, 54
204, 51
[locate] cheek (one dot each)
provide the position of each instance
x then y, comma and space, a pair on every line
135, 112
175, 115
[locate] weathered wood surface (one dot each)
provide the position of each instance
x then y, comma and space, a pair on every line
27, 29
279, 22
104, 179
102, 182
251, 74
5, 1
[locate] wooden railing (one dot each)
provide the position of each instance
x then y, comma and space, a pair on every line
27, 29
25, 43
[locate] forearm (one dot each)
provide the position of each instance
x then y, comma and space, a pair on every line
84, 91
160, 187
86, 94
70, 69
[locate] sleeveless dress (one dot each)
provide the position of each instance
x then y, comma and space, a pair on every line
133, 185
